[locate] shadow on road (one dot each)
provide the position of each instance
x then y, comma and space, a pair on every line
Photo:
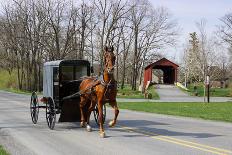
141, 126
138, 123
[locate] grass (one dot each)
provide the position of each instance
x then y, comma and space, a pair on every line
215, 92
8, 82
13, 90
2, 151
128, 93
209, 111
152, 91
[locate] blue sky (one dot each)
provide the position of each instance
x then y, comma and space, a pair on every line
188, 12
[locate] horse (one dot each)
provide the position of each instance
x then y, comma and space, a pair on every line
100, 91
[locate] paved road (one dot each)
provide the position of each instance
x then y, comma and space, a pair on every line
136, 133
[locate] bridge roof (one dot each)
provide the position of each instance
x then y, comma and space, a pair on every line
162, 62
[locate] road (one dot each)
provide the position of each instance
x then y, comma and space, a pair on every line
136, 134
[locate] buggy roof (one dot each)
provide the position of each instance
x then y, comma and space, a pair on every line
65, 62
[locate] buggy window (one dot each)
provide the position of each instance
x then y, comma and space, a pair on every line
67, 73
80, 71
73, 72
55, 74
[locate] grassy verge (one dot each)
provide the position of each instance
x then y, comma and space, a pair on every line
2, 151
8, 82
210, 111
13, 90
128, 93
152, 91
215, 92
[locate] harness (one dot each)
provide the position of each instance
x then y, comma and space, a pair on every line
100, 80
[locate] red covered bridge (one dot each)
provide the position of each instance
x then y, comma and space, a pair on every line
169, 71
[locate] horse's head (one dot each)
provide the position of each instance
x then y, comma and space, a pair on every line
109, 58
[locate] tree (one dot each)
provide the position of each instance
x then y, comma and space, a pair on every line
226, 28
152, 29
225, 32
109, 12
34, 32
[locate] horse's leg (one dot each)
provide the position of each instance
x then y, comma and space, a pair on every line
116, 112
100, 117
82, 104
93, 103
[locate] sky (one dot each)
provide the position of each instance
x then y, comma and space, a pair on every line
188, 12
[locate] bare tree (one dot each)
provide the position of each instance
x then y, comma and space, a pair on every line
226, 28
34, 32
109, 12
225, 31
202, 56
152, 30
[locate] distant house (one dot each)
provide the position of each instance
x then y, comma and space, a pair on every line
219, 77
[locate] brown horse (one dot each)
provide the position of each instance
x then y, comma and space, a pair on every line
99, 91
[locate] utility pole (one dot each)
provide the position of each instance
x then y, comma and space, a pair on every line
207, 84
204, 82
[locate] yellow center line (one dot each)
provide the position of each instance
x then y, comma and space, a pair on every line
190, 144
202, 145
187, 145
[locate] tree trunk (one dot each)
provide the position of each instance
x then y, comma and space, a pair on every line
134, 73
123, 72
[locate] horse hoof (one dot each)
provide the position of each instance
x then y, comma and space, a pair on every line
111, 124
88, 127
82, 124
102, 135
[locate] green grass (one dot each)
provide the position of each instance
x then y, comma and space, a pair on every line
210, 111
2, 151
128, 93
13, 90
215, 92
152, 90
7, 80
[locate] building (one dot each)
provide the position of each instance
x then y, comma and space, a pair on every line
170, 70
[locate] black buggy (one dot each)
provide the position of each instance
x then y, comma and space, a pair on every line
61, 81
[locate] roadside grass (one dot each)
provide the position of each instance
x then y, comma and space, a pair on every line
2, 151
128, 93
17, 91
8, 82
215, 92
153, 92
209, 111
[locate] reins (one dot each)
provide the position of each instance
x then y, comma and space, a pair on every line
79, 93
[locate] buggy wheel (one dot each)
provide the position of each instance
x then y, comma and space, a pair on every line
96, 114
34, 108
50, 113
